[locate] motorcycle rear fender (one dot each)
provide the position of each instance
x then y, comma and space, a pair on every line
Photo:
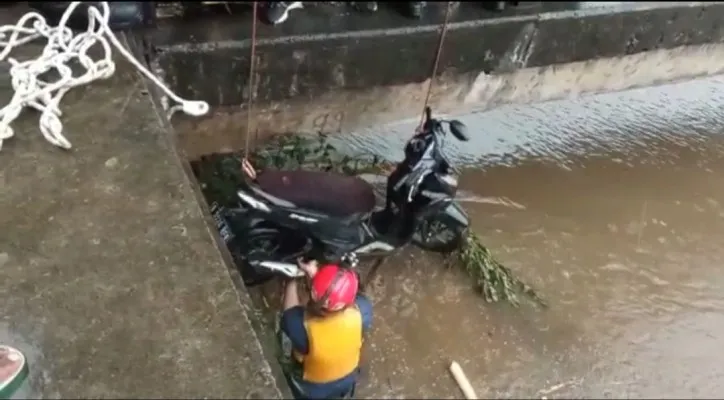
280, 214
249, 199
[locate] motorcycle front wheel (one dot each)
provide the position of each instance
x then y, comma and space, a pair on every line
439, 234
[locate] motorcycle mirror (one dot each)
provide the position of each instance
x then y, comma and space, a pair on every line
459, 130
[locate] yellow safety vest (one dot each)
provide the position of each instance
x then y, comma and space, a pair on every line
335, 345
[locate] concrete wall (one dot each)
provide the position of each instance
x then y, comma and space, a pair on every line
321, 76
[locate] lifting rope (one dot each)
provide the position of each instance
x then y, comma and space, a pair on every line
252, 61
380, 260
250, 83
33, 89
440, 43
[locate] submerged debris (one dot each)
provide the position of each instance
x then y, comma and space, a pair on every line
221, 176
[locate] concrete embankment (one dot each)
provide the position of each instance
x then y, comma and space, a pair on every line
325, 72
111, 284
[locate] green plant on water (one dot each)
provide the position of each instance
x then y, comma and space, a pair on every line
494, 280
220, 174
316, 153
221, 177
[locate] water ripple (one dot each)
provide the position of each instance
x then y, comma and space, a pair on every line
565, 130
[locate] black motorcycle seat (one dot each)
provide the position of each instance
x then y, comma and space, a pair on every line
333, 194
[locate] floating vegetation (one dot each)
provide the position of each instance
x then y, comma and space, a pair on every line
494, 280
220, 176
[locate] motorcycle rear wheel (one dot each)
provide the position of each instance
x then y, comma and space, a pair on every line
439, 234
260, 243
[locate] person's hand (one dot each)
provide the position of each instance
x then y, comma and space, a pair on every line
283, 280
288, 283
310, 268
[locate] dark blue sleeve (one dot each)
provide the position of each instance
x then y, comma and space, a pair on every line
292, 325
365, 308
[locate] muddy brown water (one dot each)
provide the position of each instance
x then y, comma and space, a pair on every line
620, 228
622, 232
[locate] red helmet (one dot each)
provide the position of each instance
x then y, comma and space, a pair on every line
334, 288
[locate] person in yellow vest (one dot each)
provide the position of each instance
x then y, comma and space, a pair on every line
326, 334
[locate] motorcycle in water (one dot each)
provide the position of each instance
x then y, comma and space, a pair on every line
290, 214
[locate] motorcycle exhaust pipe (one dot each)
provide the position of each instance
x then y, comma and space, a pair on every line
252, 202
289, 269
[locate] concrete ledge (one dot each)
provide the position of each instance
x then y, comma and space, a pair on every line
110, 278
209, 60
111, 281
346, 111
565, 37
331, 80
310, 65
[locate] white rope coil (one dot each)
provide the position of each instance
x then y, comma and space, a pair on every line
62, 48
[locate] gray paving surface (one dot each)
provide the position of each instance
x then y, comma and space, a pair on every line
109, 278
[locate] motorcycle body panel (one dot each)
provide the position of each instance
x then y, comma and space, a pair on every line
457, 213
336, 236
422, 187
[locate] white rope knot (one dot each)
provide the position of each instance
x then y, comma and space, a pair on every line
62, 48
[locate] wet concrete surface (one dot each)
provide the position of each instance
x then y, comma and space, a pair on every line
621, 231
110, 280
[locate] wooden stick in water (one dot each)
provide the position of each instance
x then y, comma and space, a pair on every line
462, 381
